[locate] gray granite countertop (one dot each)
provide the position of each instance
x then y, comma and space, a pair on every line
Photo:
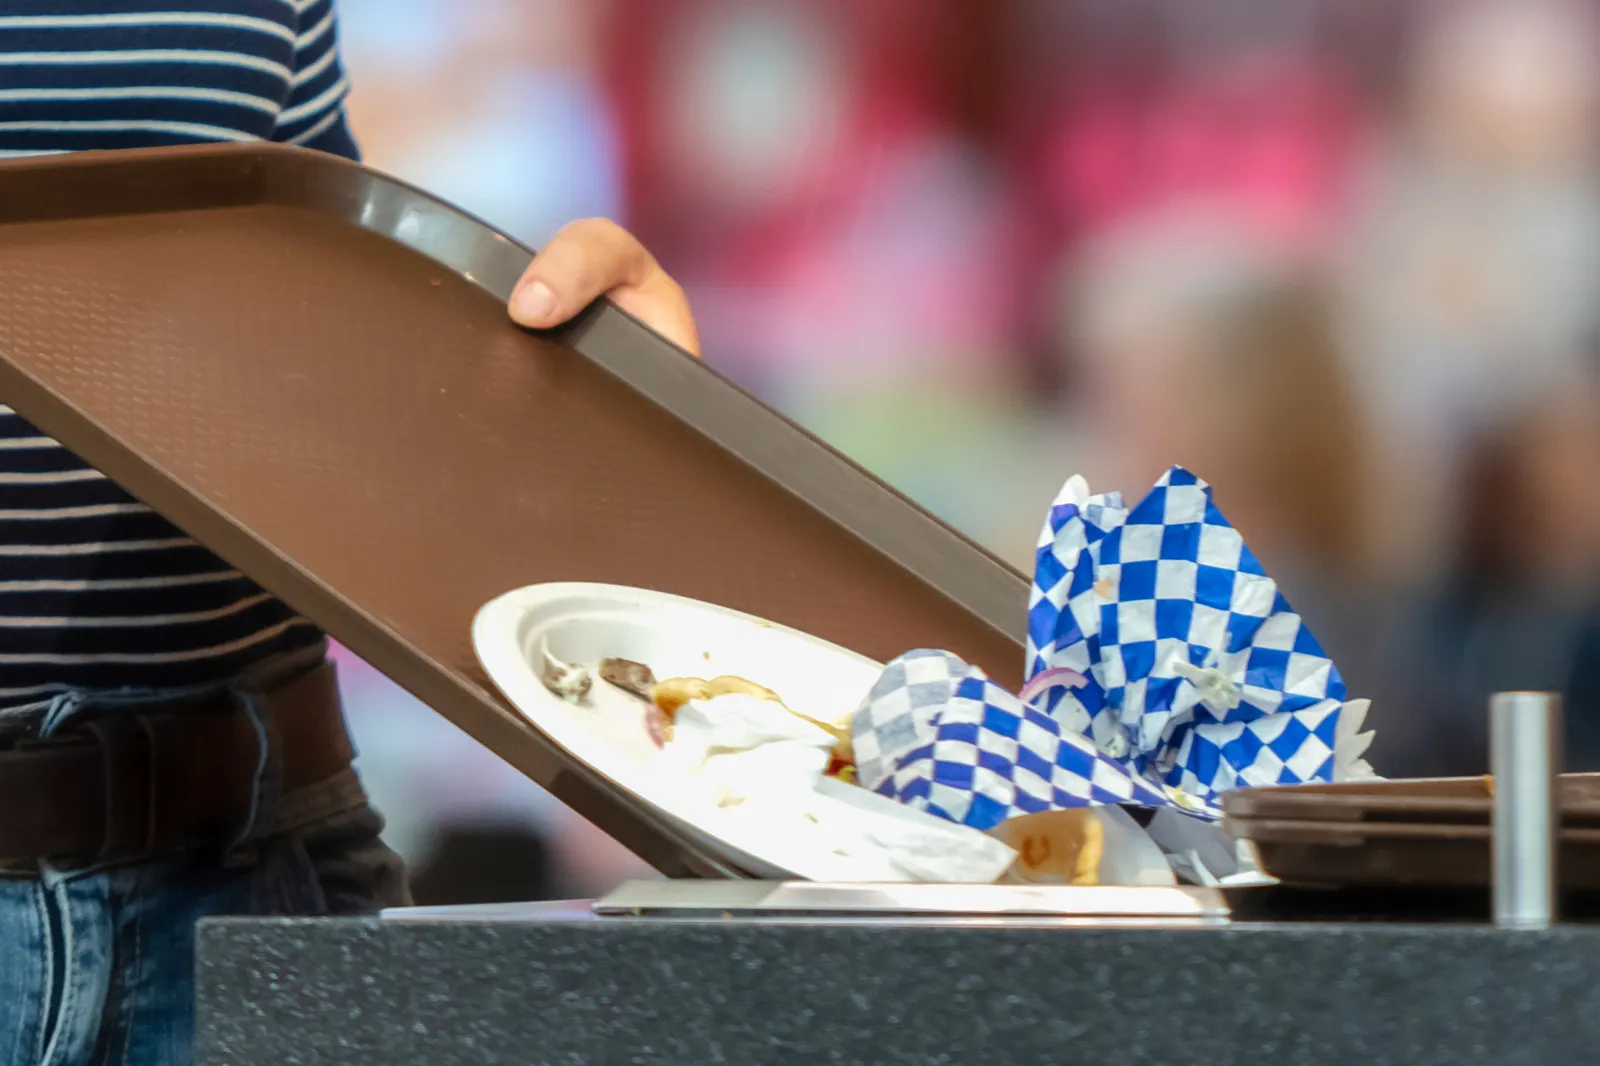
688, 993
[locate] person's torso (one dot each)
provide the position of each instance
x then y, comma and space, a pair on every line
97, 590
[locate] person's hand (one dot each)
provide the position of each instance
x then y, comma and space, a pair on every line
597, 257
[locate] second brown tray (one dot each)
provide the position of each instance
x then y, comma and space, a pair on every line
1431, 833
1435, 799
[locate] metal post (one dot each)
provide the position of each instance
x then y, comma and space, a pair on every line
1525, 754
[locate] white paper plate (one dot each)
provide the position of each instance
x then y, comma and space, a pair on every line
676, 637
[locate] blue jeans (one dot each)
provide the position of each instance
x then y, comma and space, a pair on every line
99, 967
97, 964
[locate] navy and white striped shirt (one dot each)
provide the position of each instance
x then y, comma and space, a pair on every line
97, 590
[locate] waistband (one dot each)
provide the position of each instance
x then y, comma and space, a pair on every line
103, 778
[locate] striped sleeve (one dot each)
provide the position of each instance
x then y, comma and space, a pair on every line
313, 112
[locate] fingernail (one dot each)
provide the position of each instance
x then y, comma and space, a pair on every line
534, 303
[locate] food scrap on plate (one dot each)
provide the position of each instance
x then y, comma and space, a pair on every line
570, 682
670, 696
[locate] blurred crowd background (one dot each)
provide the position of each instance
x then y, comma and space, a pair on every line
1339, 257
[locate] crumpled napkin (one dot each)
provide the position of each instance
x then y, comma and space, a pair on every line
1179, 672
758, 773
742, 748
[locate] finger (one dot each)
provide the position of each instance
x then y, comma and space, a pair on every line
660, 303
593, 258
585, 260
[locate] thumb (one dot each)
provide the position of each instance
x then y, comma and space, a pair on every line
594, 258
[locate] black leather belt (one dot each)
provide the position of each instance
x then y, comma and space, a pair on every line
130, 784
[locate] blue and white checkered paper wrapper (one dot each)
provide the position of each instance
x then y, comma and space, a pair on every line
1200, 679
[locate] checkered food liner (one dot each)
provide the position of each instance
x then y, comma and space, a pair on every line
1198, 678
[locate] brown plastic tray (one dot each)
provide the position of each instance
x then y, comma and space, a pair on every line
307, 365
1435, 799
1328, 854
1431, 832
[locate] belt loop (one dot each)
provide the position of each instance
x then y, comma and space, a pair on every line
267, 783
62, 708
